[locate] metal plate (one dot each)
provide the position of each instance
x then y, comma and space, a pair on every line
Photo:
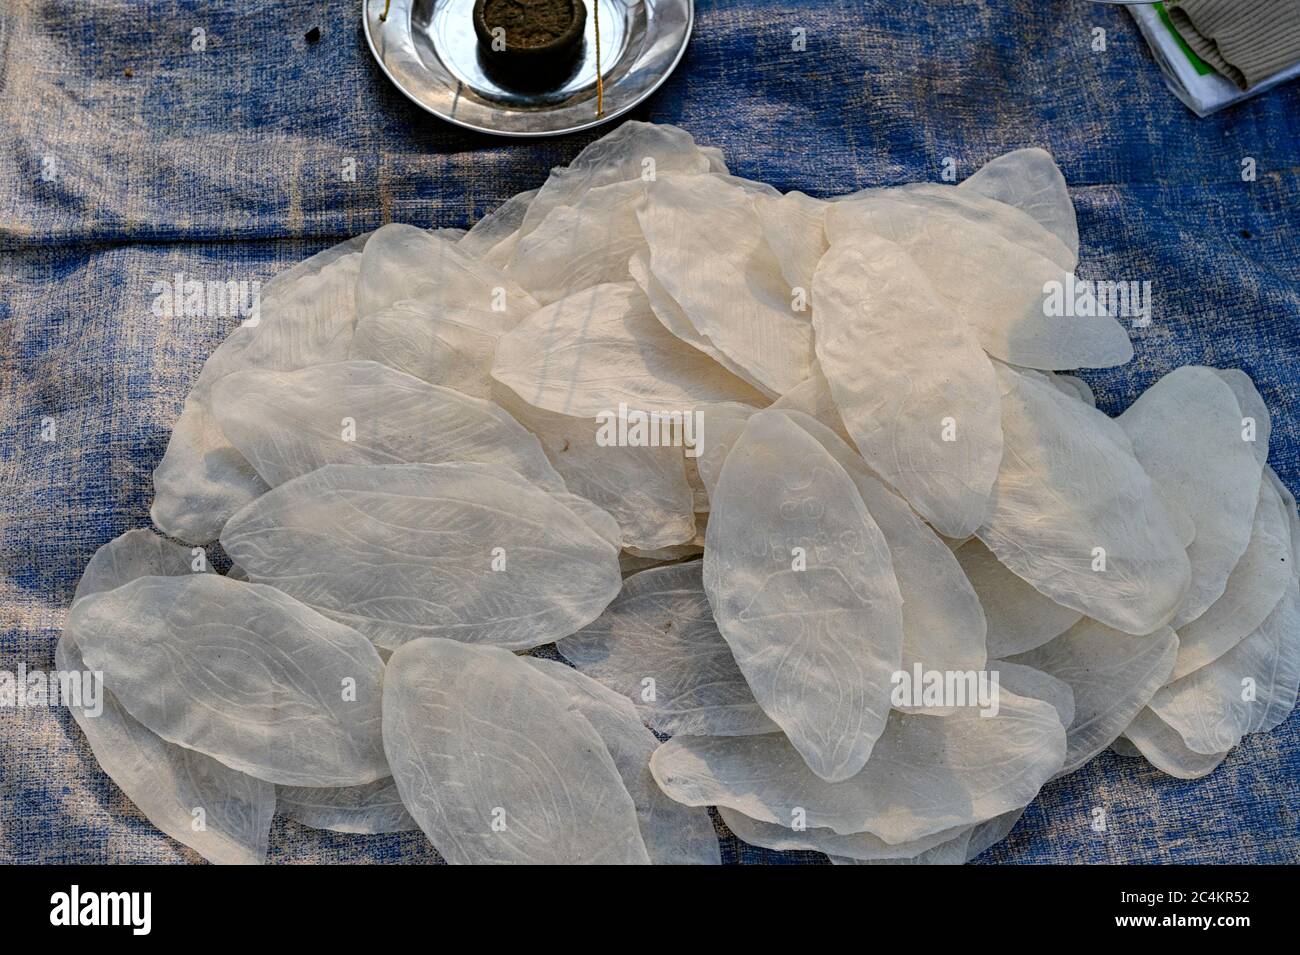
429, 50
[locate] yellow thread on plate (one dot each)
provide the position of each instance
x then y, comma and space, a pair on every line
600, 79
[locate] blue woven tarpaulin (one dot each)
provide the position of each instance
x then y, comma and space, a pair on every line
126, 156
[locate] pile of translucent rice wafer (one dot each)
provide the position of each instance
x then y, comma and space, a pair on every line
654, 452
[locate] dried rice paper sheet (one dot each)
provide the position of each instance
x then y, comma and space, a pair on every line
657, 645
1187, 433
496, 767
673, 834
365, 810
582, 245
988, 834
288, 283
951, 852
974, 210
1254, 588
859, 846
467, 552
672, 317
202, 479
994, 280
1076, 516
814, 616
1250, 689
1019, 617
1113, 676
168, 783
598, 520
634, 151
708, 254
813, 397
926, 774
943, 623
401, 262
493, 238
1034, 684
717, 159
915, 391
305, 320
1123, 746
643, 486
794, 227
723, 425
753, 188
1256, 422
1030, 180
1163, 748
1074, 385
242, 673
452, 349
288, 424
137, 553
601, 350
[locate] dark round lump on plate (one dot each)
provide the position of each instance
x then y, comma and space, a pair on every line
530, 41
532, 23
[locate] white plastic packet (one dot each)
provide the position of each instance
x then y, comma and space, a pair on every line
1201, 89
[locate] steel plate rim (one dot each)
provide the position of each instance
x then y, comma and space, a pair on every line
535, 134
